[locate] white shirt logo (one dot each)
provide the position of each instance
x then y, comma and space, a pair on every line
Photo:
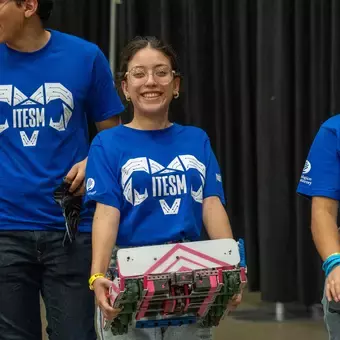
29, 112
90, 184
169, 181
307, 167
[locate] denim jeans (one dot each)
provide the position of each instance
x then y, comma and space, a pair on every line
34, 263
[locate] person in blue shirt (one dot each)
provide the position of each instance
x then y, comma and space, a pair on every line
320, 182
153, 181
51, 86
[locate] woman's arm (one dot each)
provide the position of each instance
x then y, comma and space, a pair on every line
326, 239
216, 222
215, 219
104, 236
324, 226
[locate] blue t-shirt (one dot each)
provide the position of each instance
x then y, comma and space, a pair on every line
46, 100
321, 173
156, 179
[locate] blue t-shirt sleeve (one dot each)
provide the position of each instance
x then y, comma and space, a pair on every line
103, 100
213, 182
102, 182
321, 173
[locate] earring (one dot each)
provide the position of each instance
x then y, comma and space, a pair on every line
128, 98
176, 94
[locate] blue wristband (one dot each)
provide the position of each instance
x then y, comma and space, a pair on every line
330, 263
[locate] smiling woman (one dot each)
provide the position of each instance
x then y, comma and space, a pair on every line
150, 79
153, 181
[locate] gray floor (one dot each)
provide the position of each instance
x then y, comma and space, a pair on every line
254, 320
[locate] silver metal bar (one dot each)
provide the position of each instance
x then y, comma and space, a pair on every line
112, 45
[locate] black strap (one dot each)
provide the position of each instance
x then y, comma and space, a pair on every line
71, 208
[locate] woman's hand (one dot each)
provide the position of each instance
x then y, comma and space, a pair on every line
333, 285
101, 289
234, 302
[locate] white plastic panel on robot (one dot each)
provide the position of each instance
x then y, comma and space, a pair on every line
178, 257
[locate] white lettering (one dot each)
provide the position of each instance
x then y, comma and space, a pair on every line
14, 119
32, 117
153, 186
306, 180
172, 182
159, 181
18, 113
31, 113
172, 185
181, 184
40, 117
24, 118
165, 186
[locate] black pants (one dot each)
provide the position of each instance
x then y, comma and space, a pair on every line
34, 262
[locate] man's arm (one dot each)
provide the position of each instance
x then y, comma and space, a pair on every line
103, 106
77, 174
215, 219
103, 102
324, 226
108, 123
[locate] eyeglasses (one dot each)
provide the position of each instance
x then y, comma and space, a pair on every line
162, 74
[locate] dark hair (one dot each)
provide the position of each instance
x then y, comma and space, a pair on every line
45, 8
139, 43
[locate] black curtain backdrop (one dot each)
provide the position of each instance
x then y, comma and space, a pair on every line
260, 76
87, 19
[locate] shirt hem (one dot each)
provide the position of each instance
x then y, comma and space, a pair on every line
223, 200
322, 193
109, 114
35, 227
102, 200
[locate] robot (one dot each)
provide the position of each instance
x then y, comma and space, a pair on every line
176, 284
